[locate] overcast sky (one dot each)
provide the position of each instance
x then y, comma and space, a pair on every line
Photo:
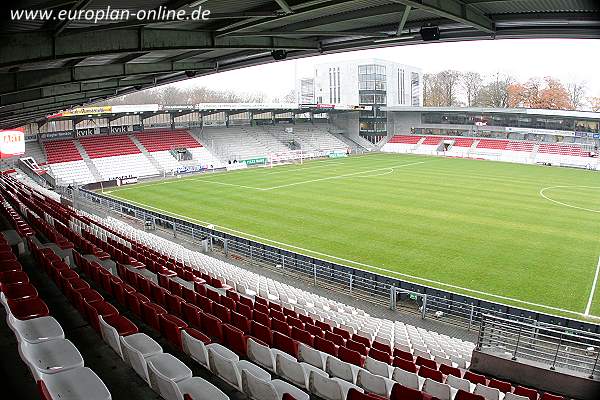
566, 59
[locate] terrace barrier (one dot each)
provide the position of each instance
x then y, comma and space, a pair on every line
466, 311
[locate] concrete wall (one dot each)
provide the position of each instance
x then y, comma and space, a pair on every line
536, 375
401, 123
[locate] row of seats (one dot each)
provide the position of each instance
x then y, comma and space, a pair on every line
55, 363
405, 139
355, 321
122, 335
108, 146
59, 151
164, 139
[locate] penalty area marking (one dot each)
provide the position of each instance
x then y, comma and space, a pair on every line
430, 281
567, 204
589, 303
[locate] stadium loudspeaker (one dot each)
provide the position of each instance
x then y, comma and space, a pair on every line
279, 55
429, 33
190, 74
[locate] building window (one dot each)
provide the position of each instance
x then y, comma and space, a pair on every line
415, 88
371, 77
400, 86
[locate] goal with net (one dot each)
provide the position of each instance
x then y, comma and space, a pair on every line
286, 157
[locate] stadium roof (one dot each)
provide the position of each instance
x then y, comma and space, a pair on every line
487, 110
48, 65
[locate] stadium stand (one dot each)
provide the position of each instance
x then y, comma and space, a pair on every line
161, 140
189, 297
60, 151
108, 146
521, 151
309, 137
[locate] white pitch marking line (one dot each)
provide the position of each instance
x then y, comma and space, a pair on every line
343, 175
565, 204
389, 171
355, 262
589, 303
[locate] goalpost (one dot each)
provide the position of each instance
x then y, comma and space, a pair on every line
286, 157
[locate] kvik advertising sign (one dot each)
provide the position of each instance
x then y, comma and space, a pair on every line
12, 143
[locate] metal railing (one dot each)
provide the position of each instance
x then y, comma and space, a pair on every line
552, 346
465, 311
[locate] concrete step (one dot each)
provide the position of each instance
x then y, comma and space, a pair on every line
145, 152
88, 161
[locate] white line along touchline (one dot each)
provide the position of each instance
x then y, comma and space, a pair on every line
589, 303
353, 262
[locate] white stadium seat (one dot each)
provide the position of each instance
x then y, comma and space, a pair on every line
36, 330
77, 383
50, 357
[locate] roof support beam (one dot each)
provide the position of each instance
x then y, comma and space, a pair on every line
22, 48
403, 20
453, 10
19, 81
284, 6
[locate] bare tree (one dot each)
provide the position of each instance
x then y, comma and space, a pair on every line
576, 93
471, 83
496, 92
441, 89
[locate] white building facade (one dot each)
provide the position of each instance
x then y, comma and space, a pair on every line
370, 82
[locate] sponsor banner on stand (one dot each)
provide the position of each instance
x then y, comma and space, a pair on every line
12, 143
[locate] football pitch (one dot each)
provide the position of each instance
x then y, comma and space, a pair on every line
517, 234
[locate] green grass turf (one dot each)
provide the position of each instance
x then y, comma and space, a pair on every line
478, 225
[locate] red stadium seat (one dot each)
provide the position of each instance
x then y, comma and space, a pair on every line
122, 325
212, 327
314, 330
532, 394
448, 370
400, 392
261, 332
326, 346
134, 301
337, 339
86, 295
380, 355
351, 356
431, 373
403, 354
192, 314
150, 313
302, 336
421, 361
281, 326
205, 304
285, 343
295, 322
240, 322
19, 291
234, 340
500, 385
170, 329
261, 318
173, 304
97, 308
462, 395
381, 347
244, 309
475, 378
274, 314
354, 394
221, 312
28, 308
358, 347
405, 365
228, 302
342, 332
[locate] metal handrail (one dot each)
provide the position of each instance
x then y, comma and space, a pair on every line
340, 277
